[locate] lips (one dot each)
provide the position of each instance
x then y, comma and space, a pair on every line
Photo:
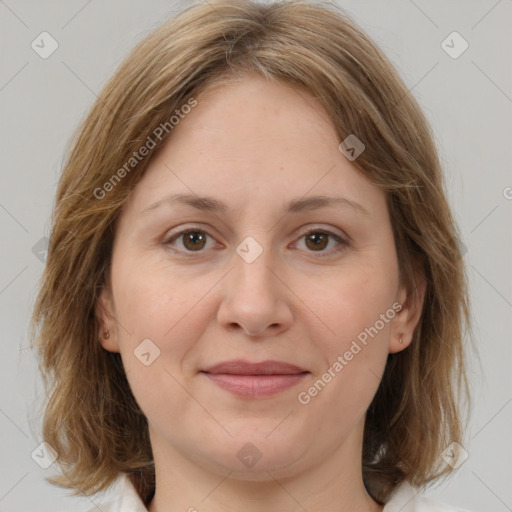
255, 380
241, 367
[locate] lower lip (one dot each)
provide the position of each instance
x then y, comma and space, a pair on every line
255, 385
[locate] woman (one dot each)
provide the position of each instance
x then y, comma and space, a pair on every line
254, 297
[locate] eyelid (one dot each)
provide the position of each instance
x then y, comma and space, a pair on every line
321, 227
170, 236
342, 239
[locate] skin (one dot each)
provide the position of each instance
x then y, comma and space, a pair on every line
296, 303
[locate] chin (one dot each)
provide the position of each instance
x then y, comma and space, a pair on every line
252, 457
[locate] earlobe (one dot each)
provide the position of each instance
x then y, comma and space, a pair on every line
398, 343
107, 335
407, 319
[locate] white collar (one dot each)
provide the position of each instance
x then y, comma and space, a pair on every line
404, 498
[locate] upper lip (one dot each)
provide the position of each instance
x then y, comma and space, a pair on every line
242, 367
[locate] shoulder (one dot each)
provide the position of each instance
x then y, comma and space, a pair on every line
125, 499
406, 498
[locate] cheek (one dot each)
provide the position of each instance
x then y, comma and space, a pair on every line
151, 297
351, 302
160, 315
357, 308
156, 302
354, 350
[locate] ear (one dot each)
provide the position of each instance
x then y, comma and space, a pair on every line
105, 313
407, 319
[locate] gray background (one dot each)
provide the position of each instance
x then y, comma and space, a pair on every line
468, 100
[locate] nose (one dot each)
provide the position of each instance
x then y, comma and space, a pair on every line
255, 297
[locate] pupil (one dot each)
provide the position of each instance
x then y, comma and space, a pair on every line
191, 239
317, 239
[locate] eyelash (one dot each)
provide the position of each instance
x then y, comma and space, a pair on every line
343, 244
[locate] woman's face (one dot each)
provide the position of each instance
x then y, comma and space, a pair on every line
314, 285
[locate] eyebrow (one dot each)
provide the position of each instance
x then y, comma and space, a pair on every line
210, 204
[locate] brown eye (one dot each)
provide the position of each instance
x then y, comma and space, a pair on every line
317, 240
194, 240
188, 241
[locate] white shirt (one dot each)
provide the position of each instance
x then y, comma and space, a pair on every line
404, 498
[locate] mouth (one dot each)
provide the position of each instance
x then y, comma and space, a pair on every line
255, 380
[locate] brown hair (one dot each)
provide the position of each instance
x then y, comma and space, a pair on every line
92, 419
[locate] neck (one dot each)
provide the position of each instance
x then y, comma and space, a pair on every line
334, 483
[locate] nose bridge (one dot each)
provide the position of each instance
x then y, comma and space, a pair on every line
254, 261
253, 298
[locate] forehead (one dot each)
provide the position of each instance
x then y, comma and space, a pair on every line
248, 139
252, 107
